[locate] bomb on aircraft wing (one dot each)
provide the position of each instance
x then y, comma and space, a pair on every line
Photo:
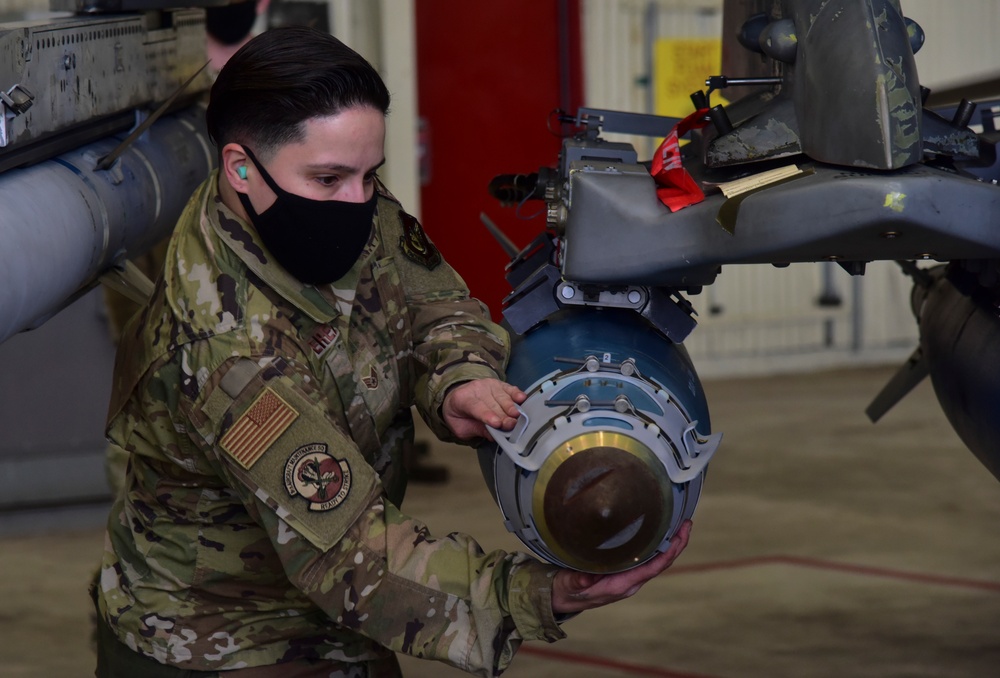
956, 310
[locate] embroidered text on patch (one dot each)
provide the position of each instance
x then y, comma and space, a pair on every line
258, 428
319, 478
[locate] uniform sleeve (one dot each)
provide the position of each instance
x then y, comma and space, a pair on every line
454, 339
368, 566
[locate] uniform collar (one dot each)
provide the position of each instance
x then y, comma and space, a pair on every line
322, 303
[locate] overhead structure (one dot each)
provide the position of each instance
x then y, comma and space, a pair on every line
78, 199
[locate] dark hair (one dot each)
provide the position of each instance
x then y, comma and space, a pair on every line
283, 77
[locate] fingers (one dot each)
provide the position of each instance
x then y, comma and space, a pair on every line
584, 580
469, 406
489, 401
499, 404
580, 591
505, 398
678, 543
515, 394
577, 591
487, 413
509, 398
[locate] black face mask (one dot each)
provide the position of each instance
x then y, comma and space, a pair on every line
317, 241
230, 24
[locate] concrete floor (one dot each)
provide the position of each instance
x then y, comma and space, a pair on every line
823, 547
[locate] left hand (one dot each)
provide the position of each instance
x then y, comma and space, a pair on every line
578, 591
469, 406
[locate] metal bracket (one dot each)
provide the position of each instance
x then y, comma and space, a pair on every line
545, 291
717, 82
641, 124
671, 436
129, 281
576, 294
15, 101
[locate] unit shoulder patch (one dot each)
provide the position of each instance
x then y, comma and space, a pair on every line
415, 244
316, 476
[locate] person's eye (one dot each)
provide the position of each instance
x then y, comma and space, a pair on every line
371, 177
327, 180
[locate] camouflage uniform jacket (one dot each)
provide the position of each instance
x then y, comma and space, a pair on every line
264, 421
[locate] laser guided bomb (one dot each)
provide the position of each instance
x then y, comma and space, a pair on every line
609, 454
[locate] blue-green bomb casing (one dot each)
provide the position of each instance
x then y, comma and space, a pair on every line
609, 454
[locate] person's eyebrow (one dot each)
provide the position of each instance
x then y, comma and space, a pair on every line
334, 167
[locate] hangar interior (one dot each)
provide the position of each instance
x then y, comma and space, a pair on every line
823, 545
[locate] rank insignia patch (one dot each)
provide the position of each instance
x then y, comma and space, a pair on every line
256, 430
322, 339
371, 381
415, 244
316, 476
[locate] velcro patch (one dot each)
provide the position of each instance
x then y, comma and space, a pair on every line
313, 475
415, 244
258, 428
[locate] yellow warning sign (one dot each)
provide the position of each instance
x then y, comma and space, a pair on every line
680, 67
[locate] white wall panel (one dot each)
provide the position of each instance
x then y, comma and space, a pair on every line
384, 32
399, 69
615, 68
11, 6
961, 39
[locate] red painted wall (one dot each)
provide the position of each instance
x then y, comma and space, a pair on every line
488, 78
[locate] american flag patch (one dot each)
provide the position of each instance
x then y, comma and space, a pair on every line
258, 428
322, 339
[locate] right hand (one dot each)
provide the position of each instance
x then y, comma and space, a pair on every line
574, 591
469, 406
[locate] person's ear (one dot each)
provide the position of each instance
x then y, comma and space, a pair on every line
235, 164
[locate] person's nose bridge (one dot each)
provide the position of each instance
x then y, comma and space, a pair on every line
354, 189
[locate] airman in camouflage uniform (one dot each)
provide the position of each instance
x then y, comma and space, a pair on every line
259, 532
225, 554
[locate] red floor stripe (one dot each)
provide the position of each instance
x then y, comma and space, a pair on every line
819, 564
603, 662
795, 561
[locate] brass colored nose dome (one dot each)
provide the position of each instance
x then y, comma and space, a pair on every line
602, 502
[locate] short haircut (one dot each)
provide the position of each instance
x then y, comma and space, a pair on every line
282, 78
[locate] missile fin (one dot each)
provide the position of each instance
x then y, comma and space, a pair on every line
909, 375
129, 281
